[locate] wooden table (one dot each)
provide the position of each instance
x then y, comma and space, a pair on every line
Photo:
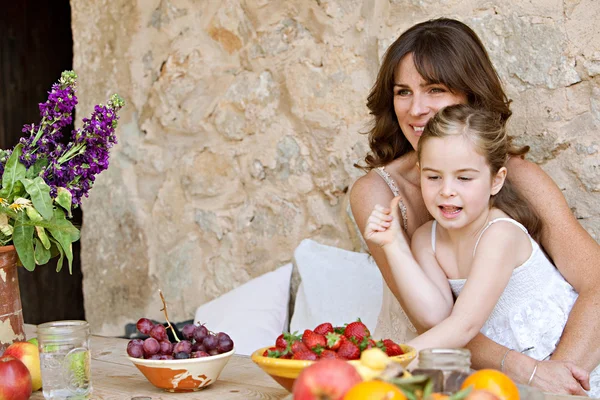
114, 377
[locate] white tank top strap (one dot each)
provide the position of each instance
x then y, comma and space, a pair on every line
394, 188
433, 228
512, 221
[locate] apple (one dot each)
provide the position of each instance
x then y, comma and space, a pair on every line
326, 379
28, 354
15, 381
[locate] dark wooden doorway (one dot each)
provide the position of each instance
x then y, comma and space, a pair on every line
36, 45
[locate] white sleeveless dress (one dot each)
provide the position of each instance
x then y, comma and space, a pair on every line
533, 309
392, 323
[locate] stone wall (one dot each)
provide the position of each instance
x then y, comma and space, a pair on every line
243, 121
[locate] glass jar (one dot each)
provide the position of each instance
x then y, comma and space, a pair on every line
447, 367
65, 359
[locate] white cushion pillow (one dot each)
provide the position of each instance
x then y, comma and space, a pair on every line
253, 314
337, 286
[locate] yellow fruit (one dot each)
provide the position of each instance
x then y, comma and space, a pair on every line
374, 390
494, 382
367, 373
374, 358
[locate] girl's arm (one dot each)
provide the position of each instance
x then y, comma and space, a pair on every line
575, 254
502, 248
425, 291
366, 193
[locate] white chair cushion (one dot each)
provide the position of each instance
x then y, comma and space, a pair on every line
337, 286
253, 314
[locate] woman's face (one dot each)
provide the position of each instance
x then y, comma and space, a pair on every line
415, 101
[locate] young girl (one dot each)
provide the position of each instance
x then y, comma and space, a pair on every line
479, 248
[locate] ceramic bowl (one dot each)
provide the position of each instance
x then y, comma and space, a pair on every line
187, 375
285, 372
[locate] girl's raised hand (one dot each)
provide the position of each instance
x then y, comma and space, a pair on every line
383, 225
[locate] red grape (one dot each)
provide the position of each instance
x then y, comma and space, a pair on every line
165, 357
198, 347
151, 346
200, 354
181, 356
154, 357
200, 333
159, 333
166, 347
188, 331
184, 346
144, 325
225, 345
213, 352
210, 342
135, 349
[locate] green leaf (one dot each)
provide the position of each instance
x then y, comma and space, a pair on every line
39, 192
65, 234
41, 232
36, 168
13, 171
23, 240
42, 255
64, 198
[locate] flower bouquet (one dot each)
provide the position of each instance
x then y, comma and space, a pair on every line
43, 179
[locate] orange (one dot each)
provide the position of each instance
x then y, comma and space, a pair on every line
494, 382
374, 390
438, 396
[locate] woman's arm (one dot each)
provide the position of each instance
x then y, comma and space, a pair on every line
575, 254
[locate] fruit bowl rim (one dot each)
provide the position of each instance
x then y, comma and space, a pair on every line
258, 358
199, 360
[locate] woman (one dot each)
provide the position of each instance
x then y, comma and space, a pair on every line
432, 65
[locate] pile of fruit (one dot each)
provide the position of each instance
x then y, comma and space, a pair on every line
197, 342
327, 341
376, 376
20, 370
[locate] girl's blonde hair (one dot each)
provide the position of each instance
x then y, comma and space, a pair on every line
487, 131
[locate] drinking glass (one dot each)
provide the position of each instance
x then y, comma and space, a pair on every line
65, 359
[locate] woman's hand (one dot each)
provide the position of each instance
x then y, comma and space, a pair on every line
561, 377
383, 225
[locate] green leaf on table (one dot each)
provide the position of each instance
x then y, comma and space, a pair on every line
41, 232
13, 172
42, 255
64, 199
23, 241
64, 233
39, 192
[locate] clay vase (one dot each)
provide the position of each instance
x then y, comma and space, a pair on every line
11, 312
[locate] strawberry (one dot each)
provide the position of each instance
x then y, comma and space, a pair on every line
329, 354
357, 330
324, 328
349, 351
272, 352
285, 340
334, 340
391, 348
312, 340
298, 347
305, 355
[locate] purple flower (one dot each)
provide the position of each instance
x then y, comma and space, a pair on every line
76, 166
56, 113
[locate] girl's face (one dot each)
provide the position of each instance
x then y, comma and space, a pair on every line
415, 101
456, 181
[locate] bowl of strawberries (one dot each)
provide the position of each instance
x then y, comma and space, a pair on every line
293, 352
